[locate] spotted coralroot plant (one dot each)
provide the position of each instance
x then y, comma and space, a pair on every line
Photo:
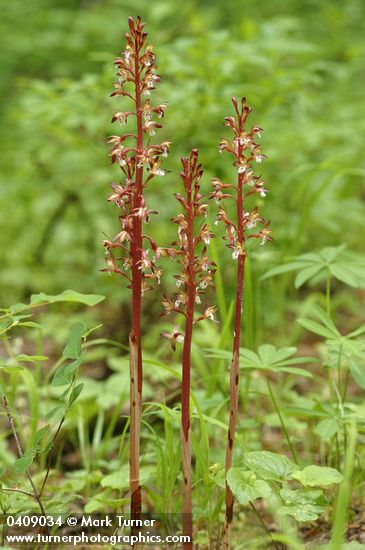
128, 254
196, 275
247, 224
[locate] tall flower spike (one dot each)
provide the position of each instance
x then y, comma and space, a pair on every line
127, 254
247, 224
196, 275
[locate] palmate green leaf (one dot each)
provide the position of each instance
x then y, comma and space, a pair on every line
345, 266
269, 466
306, 274
67, 296
317, 476
246, 487
302, 504
274, 360
357, 369
315, 327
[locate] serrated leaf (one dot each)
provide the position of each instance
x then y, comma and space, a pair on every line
302, 505
268, 465
317, 476
246, 487
67, 296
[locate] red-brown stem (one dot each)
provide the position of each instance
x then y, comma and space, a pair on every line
135, 335
185, 391
234, 371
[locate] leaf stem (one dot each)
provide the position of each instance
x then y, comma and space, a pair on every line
282, 423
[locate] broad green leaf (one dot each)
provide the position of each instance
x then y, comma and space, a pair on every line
302, 504
75, 393
67, 296
17, 307
268, 465
22, 464
120, 478
317, 476
74, 341
246, 487
63, 375
327, 428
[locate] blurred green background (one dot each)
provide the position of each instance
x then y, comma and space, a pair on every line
301, 66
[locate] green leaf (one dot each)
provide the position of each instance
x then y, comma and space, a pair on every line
75, 394
120, 478
268, 465
317, 476
30, 358
39, 435
327, 428
302, 504
23, 463
246, 487
306, 274
74, 341
52, 412
67, 296
315, 327
63, 375
292, 266
294, 370
357, 369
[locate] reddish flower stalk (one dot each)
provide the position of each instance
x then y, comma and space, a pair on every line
196, 275
125, 253
245, 151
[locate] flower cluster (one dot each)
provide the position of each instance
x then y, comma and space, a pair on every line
245, 151
190, 251
139, 163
